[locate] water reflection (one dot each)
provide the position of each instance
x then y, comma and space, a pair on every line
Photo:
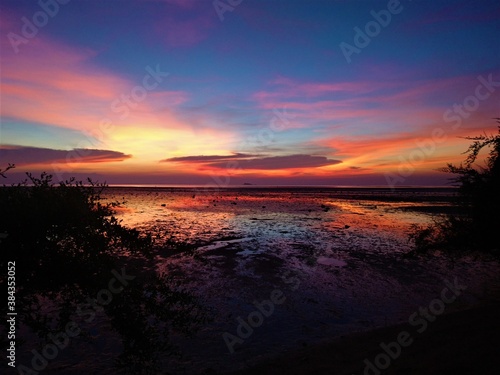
204, 216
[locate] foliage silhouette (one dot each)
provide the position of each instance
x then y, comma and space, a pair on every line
66, 241
476, 230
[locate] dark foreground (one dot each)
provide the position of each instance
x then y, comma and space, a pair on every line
464, 342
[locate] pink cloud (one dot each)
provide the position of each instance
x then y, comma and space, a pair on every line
58, 85
406, 103
288, 88
167, 98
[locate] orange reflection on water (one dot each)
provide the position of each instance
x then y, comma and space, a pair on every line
200, 216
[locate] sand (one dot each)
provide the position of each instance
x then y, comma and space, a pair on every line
464, 342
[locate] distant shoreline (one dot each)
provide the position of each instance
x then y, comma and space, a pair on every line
257, 186
402, 194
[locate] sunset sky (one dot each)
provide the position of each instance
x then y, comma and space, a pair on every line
264, 92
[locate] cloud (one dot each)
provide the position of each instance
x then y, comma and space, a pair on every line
22, 155
387, 105
248, 161
62, 86
207, 158
284, 162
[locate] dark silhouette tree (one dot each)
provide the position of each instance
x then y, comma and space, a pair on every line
2, 172
65, 241
479, 199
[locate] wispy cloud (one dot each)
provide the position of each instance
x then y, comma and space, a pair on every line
62, 86
384, 104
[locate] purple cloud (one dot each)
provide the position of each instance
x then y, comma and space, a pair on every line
283, 162
207, 158
249, 161
34, 155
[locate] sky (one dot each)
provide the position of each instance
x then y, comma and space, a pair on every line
228, 92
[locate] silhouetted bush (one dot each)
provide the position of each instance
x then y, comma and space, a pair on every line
63, 233
66, 241
479, 199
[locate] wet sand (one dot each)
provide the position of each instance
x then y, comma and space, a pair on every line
463, 342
